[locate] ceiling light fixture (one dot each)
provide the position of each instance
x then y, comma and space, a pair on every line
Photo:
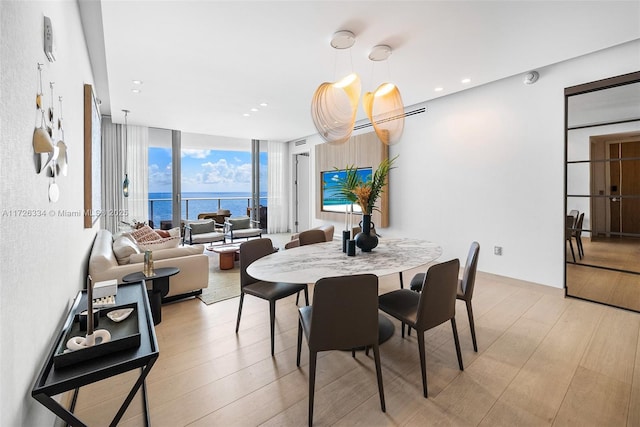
264, 104
334, 104
136, 82
135, 90
254, 109
465, 80
384, 106
439, 89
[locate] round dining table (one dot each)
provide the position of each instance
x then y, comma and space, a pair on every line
309, 263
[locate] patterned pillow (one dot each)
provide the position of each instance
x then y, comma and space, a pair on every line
144, 234
169, 242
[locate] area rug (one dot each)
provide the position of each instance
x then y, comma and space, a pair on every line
223, 284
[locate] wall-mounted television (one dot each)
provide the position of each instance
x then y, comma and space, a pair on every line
331, 199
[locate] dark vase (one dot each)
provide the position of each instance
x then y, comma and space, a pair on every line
366, 239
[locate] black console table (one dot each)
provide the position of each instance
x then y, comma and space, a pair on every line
52, 381
159, 288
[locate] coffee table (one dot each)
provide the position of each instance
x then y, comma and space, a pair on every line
228, 255
159, 289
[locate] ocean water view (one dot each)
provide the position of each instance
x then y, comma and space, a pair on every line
194, 203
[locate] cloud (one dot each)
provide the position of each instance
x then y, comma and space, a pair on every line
160, 176
221, 172
195, 154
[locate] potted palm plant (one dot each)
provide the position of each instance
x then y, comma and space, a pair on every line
365, 192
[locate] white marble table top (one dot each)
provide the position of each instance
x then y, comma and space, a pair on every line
308, 264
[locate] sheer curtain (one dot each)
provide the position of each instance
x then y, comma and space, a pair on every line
278, 196
118, 209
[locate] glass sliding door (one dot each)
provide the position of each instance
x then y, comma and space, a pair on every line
160, 179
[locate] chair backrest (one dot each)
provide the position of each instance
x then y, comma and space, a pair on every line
568, 227
574, 213
309, 237
251, 251
345, 312
438, 297
470, 268
579, 223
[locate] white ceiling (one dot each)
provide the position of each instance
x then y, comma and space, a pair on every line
206, 63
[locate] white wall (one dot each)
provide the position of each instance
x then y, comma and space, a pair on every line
43, 258
487, 164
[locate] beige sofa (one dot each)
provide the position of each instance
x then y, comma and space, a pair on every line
193, 265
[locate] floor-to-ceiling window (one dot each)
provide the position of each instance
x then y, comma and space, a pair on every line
214, 174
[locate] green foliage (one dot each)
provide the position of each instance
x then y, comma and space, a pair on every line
365, 193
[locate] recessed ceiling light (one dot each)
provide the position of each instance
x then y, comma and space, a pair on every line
466, 80
135, 90
246, 114
137, 82
254, 109
264, 104
439, 89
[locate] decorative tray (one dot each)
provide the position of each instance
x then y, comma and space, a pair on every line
124, 334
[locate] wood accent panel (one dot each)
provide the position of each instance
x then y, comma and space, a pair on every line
364, 150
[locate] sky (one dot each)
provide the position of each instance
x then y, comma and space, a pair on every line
205, 171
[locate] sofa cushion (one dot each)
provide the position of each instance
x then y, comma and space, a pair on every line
144, 234
175, 231
202, 227
170, 253
123, 248
169, 242
239, 223
163, 233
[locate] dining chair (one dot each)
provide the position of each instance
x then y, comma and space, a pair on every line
251, 251
568, 234
465, 286
577, 234
344, 315
309, 237
427, 309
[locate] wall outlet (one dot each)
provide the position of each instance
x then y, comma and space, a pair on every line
497, 250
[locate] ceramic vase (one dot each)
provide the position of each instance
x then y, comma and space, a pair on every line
366, 240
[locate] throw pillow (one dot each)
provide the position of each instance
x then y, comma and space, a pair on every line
174, 232
123, 248
202, 227
144, 234
169, 242
163, 233
240, 223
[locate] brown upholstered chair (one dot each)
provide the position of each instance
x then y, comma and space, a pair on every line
465, 286
251, 251
425, 310
344, 315
309, 237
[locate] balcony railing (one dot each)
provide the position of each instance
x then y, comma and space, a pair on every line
160, 209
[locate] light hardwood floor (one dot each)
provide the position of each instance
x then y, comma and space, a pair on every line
543, 360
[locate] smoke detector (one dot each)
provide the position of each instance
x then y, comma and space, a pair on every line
531, 77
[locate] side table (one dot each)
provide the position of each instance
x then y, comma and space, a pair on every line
228, 255
159, 289
52, 381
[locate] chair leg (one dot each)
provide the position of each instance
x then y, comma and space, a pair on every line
299, 343
457, 341
312, 382
572, 253
401, 281
353, 352
472, 325
423, 364
376, 355
306, 295
402, 329
272, 321
239, 311
580, 247
297, 298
